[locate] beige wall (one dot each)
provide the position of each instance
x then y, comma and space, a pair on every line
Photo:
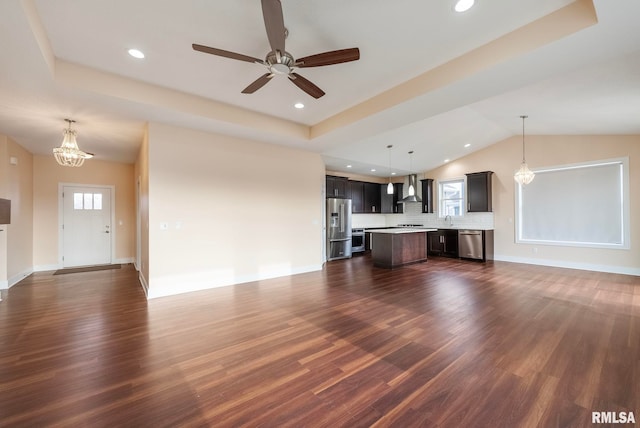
542, 151
16, 256
47, 176
235, 210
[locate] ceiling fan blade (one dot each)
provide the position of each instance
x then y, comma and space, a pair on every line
274, 24
257, 84
329, 58
306, 85
226, 54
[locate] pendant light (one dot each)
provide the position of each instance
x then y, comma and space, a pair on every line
68, 154
524, 175
412, 190
390, 185
413, 182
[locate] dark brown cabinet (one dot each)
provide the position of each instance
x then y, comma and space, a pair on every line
372, 200
365, 197
336, 186
443, 242
390, 203
479, 192
427, 195
356, 193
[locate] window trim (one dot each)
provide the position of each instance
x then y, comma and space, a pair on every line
625, 207
463, 192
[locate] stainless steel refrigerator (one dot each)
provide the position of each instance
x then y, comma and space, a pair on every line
338, 228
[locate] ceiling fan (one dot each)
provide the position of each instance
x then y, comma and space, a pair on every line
279, 61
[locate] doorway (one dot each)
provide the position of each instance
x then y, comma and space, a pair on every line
87, 232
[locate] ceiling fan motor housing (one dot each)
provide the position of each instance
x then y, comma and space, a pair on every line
280, 63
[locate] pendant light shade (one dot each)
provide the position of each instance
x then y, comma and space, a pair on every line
524, 175
390, 185
68, 154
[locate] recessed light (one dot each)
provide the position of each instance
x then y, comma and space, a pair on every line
446, 160
298, 105
464, 5
393, 173
348, 166
136, 53
373, 170
467, 145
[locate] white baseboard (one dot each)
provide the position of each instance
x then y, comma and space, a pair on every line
6, 284
143, 283
179, 284
19, 277
44, 268
123, 261
624, 270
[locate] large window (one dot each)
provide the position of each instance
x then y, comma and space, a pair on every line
577, 205
451, 198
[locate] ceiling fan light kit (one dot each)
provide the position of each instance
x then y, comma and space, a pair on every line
279, 61
68, 154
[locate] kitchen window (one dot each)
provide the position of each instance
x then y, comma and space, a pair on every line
451, 198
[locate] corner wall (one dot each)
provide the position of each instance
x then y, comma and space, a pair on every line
16, 239
504, 158
141, 176
224, 210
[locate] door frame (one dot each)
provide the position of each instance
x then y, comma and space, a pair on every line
61, 187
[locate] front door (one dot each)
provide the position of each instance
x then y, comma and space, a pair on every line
86, 233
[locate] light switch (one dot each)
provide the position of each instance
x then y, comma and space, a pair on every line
164, 226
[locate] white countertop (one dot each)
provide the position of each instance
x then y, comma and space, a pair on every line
403, 230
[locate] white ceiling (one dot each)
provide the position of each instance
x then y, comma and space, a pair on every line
585, 83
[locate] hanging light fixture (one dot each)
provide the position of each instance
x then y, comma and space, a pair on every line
413, 182
412, 190
68, 154
524, 175
390, 185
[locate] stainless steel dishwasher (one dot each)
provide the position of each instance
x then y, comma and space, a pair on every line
470, 244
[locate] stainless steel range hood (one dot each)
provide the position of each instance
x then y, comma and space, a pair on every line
413, 180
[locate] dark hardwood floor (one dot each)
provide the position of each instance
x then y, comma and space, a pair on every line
444, 344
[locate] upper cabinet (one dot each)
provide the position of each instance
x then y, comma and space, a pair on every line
372, 200
356, 193
479, 192
365, 197
427, 195
390, 203
337, 186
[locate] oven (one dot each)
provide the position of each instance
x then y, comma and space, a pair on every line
357, 240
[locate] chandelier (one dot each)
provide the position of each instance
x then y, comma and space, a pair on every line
524, 175
68, 154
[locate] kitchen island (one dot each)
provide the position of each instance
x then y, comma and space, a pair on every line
392, 248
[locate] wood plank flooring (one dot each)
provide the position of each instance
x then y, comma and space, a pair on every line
439, 344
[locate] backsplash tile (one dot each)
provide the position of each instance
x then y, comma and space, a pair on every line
413, 215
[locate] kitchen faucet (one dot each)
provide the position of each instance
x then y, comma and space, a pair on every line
450, 219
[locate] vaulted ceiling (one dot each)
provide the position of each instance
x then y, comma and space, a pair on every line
429, 79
